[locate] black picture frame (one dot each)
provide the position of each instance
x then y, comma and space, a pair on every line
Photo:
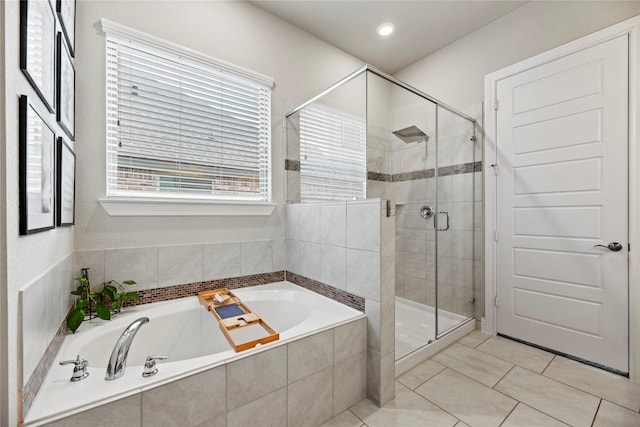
66, 89
65, 184
36, 170
37, 48
66, 10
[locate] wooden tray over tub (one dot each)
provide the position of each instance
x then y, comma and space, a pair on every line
243, 328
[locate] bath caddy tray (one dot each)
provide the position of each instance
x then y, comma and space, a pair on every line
243, 328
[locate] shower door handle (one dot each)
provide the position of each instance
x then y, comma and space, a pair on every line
435, 223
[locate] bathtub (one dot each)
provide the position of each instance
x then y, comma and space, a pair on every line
184, 331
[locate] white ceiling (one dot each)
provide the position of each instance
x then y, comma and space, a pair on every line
422, 26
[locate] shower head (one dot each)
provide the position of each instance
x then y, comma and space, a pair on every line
411, 134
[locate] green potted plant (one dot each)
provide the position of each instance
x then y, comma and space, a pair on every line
102, 304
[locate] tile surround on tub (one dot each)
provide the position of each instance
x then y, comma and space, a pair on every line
354, 301
222, 260
158, 266
310, 355
180, 264
40, 336
33, 384
260, 386
364, 232
197, 392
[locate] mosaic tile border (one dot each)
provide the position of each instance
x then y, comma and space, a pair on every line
191, 289
31, 388
294, 165
412, 176
354, 301
291, 165
459, 169
377, 176
428, 173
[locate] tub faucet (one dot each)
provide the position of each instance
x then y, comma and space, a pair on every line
118, 359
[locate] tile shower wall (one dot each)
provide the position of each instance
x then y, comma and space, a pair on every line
460, 193
162, 266
300, 384
351, 246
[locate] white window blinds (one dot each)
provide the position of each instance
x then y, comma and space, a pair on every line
181, 127
333, 155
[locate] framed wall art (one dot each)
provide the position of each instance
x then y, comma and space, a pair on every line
67, 13
36, 180
65, 184
66, 89
38, 49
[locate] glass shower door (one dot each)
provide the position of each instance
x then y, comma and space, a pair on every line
411, 141
454, 221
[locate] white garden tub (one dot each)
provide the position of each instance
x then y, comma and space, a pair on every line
184, 331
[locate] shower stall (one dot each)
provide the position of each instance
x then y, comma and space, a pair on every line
371, 136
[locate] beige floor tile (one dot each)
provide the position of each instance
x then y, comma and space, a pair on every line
525, 416
420, 374
461, 424
344, 419
474, 339
560, 401
519, 354
466, 399
614, 388
473, 363
613, 415
406, 410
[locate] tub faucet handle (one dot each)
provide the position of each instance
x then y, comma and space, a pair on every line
150, 365
80, 368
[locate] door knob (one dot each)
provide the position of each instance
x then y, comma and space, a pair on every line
613, 246
426, 212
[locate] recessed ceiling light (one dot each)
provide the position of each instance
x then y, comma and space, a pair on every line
386, 29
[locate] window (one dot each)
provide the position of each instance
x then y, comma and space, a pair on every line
183, 126
333, 155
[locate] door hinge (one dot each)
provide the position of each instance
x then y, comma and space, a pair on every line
629, 247
495, 235
495, 104
495, 301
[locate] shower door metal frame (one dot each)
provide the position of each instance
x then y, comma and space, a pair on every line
374, 70
438, 104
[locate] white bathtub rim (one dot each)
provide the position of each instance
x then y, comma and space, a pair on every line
163, 377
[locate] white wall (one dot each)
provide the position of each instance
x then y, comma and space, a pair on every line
26, 257
236, 32
455, 74
3, 240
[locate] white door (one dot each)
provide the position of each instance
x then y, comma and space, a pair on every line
562, 187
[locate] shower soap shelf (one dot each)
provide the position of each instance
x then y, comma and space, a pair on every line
243, 328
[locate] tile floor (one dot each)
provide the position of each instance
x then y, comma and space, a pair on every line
491, 381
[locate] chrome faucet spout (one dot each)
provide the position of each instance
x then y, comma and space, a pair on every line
118, 359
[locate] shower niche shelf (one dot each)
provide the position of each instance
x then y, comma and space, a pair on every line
243, 328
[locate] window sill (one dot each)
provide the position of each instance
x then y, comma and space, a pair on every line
127, 206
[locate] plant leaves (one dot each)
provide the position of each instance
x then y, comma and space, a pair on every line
109, 291
103, 311
77, 292
116, 305
75, 318
131, 296
129, 282
81, 303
